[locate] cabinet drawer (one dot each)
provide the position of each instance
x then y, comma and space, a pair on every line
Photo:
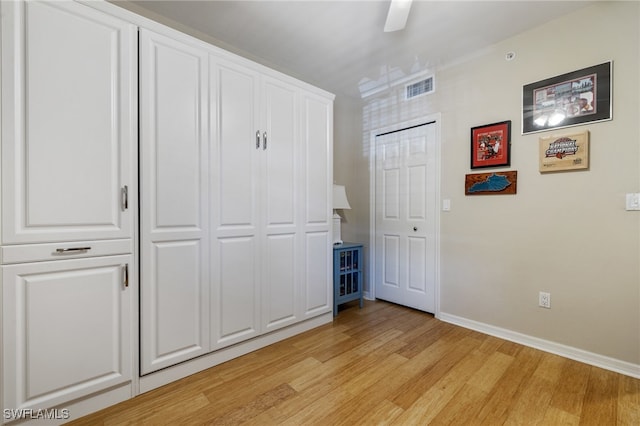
65, 250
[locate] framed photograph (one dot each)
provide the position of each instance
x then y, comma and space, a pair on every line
491, 183
565, 152
491, 145
566, 100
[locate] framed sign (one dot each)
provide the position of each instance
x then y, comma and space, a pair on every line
491, 145
566, 100
566, 152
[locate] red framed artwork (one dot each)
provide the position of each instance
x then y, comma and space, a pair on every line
491, 145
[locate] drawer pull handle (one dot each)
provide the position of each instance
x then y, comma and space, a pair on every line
72, 250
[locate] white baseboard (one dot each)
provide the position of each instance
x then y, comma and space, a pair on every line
608, 363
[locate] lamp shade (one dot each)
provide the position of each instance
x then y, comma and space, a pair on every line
340, 197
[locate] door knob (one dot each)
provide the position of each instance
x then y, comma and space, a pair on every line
415, 228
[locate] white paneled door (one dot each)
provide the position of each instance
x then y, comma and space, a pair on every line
68, 127
235, 170
405, 225
174, 287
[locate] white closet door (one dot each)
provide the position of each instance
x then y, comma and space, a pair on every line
279, 191
405, 223
235, 297
174, 202
316, 199
67, 329
69, 127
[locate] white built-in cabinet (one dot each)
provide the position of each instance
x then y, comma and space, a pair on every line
235, 170
69, 184
255, 193
165, 205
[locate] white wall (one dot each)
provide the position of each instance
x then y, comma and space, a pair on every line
564, 233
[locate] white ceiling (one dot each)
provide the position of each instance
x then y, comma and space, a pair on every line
340, 46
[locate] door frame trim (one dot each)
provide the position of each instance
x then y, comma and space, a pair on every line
404, 125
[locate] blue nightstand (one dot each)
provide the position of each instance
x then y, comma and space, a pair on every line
347, 274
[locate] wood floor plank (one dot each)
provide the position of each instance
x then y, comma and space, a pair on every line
555, 416
532, 403
348, 393
420, 383
600, 399
423, 340
572, 385
436, 398
491, 371
388, 365
462, 408
507, 389
628, 401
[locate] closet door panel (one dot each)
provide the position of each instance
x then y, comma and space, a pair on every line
174, 201
68, 140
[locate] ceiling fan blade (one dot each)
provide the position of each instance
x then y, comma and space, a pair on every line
397, 17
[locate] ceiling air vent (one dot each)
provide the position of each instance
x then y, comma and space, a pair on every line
419, 88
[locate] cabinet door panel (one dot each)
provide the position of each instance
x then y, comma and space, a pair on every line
67, 142
318, 260
174, 201
235, 291
280, 185
317, 116
317, 139
173, 328
235, 156
280, 291
67, 329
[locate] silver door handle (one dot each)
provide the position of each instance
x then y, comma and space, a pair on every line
264, 140
257, 139
125, 198
125, 275
72, 250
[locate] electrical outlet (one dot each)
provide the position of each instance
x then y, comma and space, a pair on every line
633, 201
544, 300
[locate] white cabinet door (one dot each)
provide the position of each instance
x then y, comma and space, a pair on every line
279, 190
67, 329
315, 205
271, 253
174, 201
68, 123
235, 171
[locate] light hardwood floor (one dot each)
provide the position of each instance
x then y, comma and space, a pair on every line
386, 364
